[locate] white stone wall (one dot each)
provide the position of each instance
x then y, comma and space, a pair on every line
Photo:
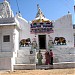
63, 28
6, 46
25, 28
24, 56
8, 50
5, 63
64, 54
16, 39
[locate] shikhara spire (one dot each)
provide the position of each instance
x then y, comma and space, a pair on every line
40, 16
74, 6
39, 13
5, 10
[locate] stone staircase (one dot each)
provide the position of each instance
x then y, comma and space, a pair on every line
25, 58
63, 58
60, 55
62, 65
64, 54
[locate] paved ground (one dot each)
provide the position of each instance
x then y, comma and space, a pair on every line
70, 71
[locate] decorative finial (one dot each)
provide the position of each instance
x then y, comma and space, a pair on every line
19, 11
38, 7
39, 13
74, 8
68, 12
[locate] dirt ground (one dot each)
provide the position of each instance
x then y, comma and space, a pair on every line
41, 72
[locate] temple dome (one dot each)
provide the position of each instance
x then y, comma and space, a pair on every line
40, 17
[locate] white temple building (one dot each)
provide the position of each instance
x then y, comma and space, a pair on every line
20, 40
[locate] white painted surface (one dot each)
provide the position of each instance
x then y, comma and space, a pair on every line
64, 54
6, 46
63, 28
16, 39
5, 64
8, 50
25, 66
25, 27
6, 54
5, 10
24, 56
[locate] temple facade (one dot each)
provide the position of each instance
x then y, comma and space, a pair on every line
20, 40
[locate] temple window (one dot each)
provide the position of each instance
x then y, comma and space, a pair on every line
6, 38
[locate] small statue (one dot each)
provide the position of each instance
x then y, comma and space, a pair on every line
34, 44
50, 42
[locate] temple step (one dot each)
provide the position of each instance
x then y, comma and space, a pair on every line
60, 65
24, 66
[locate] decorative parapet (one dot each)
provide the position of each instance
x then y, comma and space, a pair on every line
7, 20
42, 27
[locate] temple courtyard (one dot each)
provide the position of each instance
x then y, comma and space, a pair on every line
70, 71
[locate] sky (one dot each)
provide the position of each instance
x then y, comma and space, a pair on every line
52, 9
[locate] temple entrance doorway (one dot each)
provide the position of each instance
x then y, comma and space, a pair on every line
42, 41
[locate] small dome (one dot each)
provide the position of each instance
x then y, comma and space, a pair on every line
40, 20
